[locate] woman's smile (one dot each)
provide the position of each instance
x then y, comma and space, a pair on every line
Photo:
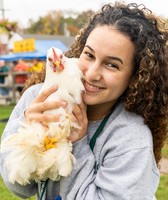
90, 88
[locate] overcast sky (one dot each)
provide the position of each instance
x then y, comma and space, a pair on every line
23, 10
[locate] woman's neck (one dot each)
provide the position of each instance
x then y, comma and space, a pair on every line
97, 112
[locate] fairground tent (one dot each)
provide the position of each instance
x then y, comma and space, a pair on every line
41, 47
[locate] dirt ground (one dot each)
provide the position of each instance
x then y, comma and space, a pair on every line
164, 166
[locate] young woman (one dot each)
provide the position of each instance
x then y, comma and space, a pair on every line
123, 56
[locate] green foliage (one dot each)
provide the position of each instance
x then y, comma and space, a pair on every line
55, 22
82, 18
6, 26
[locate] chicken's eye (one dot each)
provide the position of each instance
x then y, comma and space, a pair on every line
50, 59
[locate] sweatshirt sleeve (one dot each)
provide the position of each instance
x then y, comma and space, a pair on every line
16, 116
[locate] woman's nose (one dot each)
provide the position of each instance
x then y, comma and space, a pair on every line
93, 72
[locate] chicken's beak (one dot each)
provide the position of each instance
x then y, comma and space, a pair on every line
57, 66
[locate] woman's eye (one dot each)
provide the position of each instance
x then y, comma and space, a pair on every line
111, 65
89, 55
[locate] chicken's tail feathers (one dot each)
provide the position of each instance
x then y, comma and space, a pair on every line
27, 134
22, 150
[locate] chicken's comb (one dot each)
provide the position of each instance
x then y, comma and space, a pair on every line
55, 55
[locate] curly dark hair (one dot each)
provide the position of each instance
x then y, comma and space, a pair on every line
147, 94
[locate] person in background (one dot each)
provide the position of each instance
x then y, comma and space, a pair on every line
3, 69
123, 55
21, 69
37, 65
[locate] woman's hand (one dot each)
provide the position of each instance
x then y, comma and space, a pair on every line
80, 118
35, 112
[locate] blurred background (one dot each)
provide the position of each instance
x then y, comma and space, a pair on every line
28, 28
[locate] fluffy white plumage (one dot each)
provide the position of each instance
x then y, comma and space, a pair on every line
36, 152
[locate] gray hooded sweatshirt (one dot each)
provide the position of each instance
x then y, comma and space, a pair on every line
120, 167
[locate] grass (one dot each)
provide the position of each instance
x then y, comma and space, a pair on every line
162, 192
5, 194
5, 112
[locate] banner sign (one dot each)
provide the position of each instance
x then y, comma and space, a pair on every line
25, 45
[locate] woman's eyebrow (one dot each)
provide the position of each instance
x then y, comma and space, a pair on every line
109, 57
115, 58
89, 48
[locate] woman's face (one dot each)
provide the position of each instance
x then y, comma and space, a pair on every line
107, 64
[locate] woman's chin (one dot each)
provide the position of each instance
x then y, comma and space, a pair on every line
89, 100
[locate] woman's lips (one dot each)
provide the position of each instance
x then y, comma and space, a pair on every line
91, 88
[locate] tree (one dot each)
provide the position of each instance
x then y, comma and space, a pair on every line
8, 26
58, 22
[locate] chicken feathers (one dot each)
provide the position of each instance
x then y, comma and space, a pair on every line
36, 152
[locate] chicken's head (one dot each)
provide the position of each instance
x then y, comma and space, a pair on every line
55, 59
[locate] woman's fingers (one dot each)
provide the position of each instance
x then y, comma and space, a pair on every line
79, 117
47, 105
37, 117
37, 109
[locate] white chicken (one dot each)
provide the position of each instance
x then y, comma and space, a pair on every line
39, 153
